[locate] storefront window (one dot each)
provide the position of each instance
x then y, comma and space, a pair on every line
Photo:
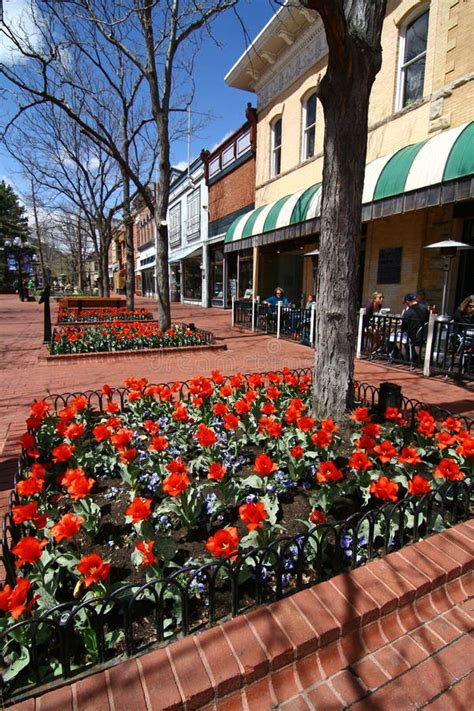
175, 283
148, 282
217, 278
245, 275
192, 278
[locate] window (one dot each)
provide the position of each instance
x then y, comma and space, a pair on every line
214, 166
228, 155
193, 223
243, 143
413, 41
309, 126
276, 147
175, 225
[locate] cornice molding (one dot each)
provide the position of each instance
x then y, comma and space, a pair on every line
292, 63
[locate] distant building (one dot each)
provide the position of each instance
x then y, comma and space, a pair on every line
187, 235
144, 234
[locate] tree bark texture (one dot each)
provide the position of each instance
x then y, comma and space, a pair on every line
129, 249
353, 29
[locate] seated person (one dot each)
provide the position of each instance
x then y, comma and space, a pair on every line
277, 297
372, 329
465, 311
310, 301
375, 304
413, 319
462, 337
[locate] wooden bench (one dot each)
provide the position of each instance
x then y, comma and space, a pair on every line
92, 302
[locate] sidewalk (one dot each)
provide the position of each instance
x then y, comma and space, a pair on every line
24, 377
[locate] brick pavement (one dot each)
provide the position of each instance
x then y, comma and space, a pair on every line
433, 647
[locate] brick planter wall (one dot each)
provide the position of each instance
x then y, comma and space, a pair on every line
353, 637
118, 355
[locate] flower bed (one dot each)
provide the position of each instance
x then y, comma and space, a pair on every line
167, 507
118, 336
101, 315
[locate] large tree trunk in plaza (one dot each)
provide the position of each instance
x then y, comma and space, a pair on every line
353, 29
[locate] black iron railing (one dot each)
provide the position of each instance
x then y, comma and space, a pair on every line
437, 347
286, 321
135, 617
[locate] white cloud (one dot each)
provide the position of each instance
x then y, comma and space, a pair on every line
18, 20
221, 140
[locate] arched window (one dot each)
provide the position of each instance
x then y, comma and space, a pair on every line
276, 147
309, 126
413, 40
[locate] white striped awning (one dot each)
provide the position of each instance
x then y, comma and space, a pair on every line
443, 158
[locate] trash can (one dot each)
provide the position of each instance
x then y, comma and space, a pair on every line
390, 395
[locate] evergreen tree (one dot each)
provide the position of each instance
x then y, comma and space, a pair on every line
13, 221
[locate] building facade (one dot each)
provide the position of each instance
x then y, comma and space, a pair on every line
230, 177
144, 232
187, 235
419, 186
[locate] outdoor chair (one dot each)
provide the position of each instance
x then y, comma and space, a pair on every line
461, 348
414, 345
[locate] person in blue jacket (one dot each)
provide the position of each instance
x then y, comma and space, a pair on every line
278, 296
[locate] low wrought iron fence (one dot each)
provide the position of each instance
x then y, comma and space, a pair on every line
136, 617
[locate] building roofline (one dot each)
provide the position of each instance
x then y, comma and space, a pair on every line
256, 46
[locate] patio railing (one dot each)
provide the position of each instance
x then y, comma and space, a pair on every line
282, 321
437, 347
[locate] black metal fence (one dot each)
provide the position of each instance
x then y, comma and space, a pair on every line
285, 321
135, 617
437, 347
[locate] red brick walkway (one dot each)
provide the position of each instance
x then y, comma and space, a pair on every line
282, 655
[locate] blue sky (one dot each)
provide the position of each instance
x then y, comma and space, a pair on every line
212, 95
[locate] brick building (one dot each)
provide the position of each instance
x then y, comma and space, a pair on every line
230, 177
144, 247
419, 186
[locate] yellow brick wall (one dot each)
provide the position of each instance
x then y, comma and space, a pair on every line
450, 58
295, 173
421, 268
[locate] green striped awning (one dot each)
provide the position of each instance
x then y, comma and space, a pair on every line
447, 156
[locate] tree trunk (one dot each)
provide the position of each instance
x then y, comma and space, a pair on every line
129, 250
353, 29
161, 228
38, 234
80, 268
162, 281
104, 273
